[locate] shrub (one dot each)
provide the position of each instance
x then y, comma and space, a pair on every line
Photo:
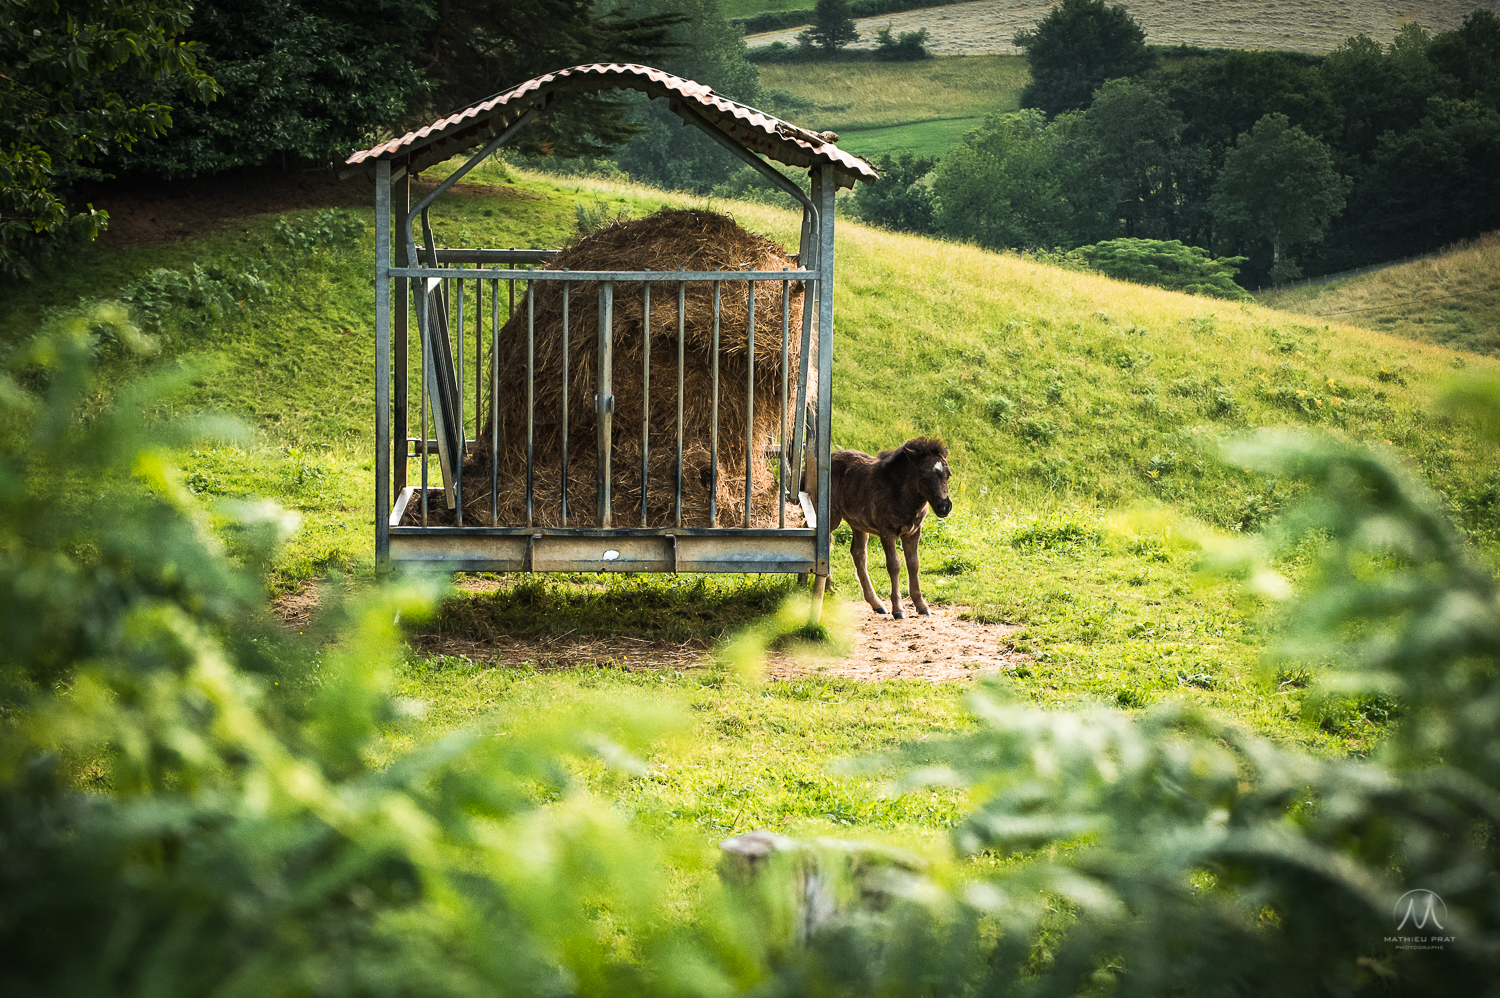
1166, 264
909, 46
902, 198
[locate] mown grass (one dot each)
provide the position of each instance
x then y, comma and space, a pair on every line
879, 107
748, 8
1066, 398
1452, 299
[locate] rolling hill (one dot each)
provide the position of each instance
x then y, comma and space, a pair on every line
1066, 399
1450, 299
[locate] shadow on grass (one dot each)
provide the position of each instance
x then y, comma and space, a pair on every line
678, 609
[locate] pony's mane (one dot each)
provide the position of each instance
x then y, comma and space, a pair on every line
917, 447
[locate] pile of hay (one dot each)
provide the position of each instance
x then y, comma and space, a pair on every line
667, 240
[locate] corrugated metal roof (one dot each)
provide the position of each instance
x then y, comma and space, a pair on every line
755, 130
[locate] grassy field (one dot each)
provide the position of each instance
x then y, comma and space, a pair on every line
1082, 414
921, 107
1452, 300
988, 26
746, 8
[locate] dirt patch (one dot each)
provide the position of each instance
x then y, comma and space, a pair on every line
296, 610
143, 210
421, 188
940, 648
987, 26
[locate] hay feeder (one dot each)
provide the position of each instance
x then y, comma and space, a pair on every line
643, 401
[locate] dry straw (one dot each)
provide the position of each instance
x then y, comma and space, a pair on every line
668, 240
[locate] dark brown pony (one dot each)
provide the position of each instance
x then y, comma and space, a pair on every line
888, 495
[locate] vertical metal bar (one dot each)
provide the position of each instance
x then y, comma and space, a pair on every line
782, 473
383, 364
478, 358
494, 403
567, 375
713, 424
401, 424
749, 398
645, 393
424, 330
825, 360
809, 260
458, 400
604, 401
530, 397
681, 367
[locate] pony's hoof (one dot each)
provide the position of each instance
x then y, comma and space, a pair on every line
880, 609
925, 613
899, 615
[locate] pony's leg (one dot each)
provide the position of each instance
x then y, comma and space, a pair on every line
893, 566
857, 552
913, 567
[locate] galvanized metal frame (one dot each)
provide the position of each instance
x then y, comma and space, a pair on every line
422, 275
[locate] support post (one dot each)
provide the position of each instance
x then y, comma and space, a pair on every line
400, 429
383, 365
823, 445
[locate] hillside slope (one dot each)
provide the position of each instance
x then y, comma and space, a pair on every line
1064, 397
1452, 299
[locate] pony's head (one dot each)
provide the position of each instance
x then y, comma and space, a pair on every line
927, 461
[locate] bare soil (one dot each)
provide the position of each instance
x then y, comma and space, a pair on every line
145, 211
986, 27
940, 648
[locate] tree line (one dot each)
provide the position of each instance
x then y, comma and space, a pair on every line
102, 88
1297, 162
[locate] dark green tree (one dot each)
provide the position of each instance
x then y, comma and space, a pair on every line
832, 27
1434, 184
476, 48
1135, 136
711, 51
901, 199
313, 79
306, 79
1470, 57
63, 112
1279, 185
1221, 98
1075, 48
1376, 89
1000, 185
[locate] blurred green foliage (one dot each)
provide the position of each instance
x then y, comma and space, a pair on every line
189, 802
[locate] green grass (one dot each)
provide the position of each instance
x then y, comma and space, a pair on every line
1452, 299
747, 8
922, 138
1068, 400
878, 107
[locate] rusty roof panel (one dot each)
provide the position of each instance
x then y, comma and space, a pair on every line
754, 129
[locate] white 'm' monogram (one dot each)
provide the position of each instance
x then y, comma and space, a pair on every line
1427, 913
